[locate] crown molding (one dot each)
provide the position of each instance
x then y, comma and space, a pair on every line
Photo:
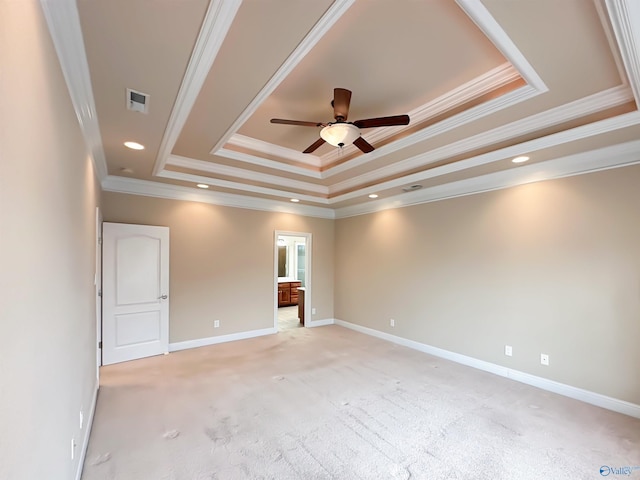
625, 20
576, 109
218, 169
216, 182
148, 188
265, 162
332, 15
216, 24
616, 156
63, 21
472, 89
577, 133
504, 73
475, 88
475, 113
479, 14
267, 148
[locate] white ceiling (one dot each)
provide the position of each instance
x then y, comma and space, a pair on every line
482, 80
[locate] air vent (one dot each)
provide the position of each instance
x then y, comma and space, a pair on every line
412, 188
137, 101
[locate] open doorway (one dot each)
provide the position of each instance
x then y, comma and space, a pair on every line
292, 274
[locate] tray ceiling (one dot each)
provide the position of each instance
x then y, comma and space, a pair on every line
483, 81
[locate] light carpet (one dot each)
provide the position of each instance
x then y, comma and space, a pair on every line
330, 403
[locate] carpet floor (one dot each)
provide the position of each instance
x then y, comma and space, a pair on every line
330, 403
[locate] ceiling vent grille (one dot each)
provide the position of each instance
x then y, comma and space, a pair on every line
412, 188
137, 101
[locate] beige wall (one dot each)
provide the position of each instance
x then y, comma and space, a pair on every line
222, 262
550, 267
48, 196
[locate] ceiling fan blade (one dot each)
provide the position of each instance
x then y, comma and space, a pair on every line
341, 101
296, 122
314, 145
382, 121
363, 145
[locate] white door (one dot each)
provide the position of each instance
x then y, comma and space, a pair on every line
135, 292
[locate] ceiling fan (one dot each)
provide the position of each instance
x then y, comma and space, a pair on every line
341, 132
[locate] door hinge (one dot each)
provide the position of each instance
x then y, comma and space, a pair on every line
99, 240
99, 344
100, 292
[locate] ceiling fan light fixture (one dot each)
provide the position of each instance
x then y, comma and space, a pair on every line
340, 134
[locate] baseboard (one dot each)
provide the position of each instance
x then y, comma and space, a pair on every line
320, 323
87, 433
586, 396
232, 337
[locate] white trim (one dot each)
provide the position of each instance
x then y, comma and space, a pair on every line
216, 24
232, 337
265, 162
479, 14
620, 155
614, 404
504, 73
216, 182
308, 294
563, 113
87, 433
98, 292
475, 88
576, 109
606, 24
332, 15
219, 169
474, 113
321, 323
176, 192
625, 20
267, 148
63, 21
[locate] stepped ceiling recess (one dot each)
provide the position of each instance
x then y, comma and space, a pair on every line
483, 81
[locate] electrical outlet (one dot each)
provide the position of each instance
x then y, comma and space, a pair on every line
313, 311
216, 323
508, 351
392, 322
544, 359
81, 420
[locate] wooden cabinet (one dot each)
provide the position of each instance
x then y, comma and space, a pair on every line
301, 304
288, 293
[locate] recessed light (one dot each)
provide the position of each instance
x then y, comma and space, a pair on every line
202, 185
134, 145
520, 159
295, 200
373, 195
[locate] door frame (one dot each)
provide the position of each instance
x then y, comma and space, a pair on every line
98, 285
307, 270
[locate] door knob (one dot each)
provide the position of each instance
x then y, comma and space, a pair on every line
163, 297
